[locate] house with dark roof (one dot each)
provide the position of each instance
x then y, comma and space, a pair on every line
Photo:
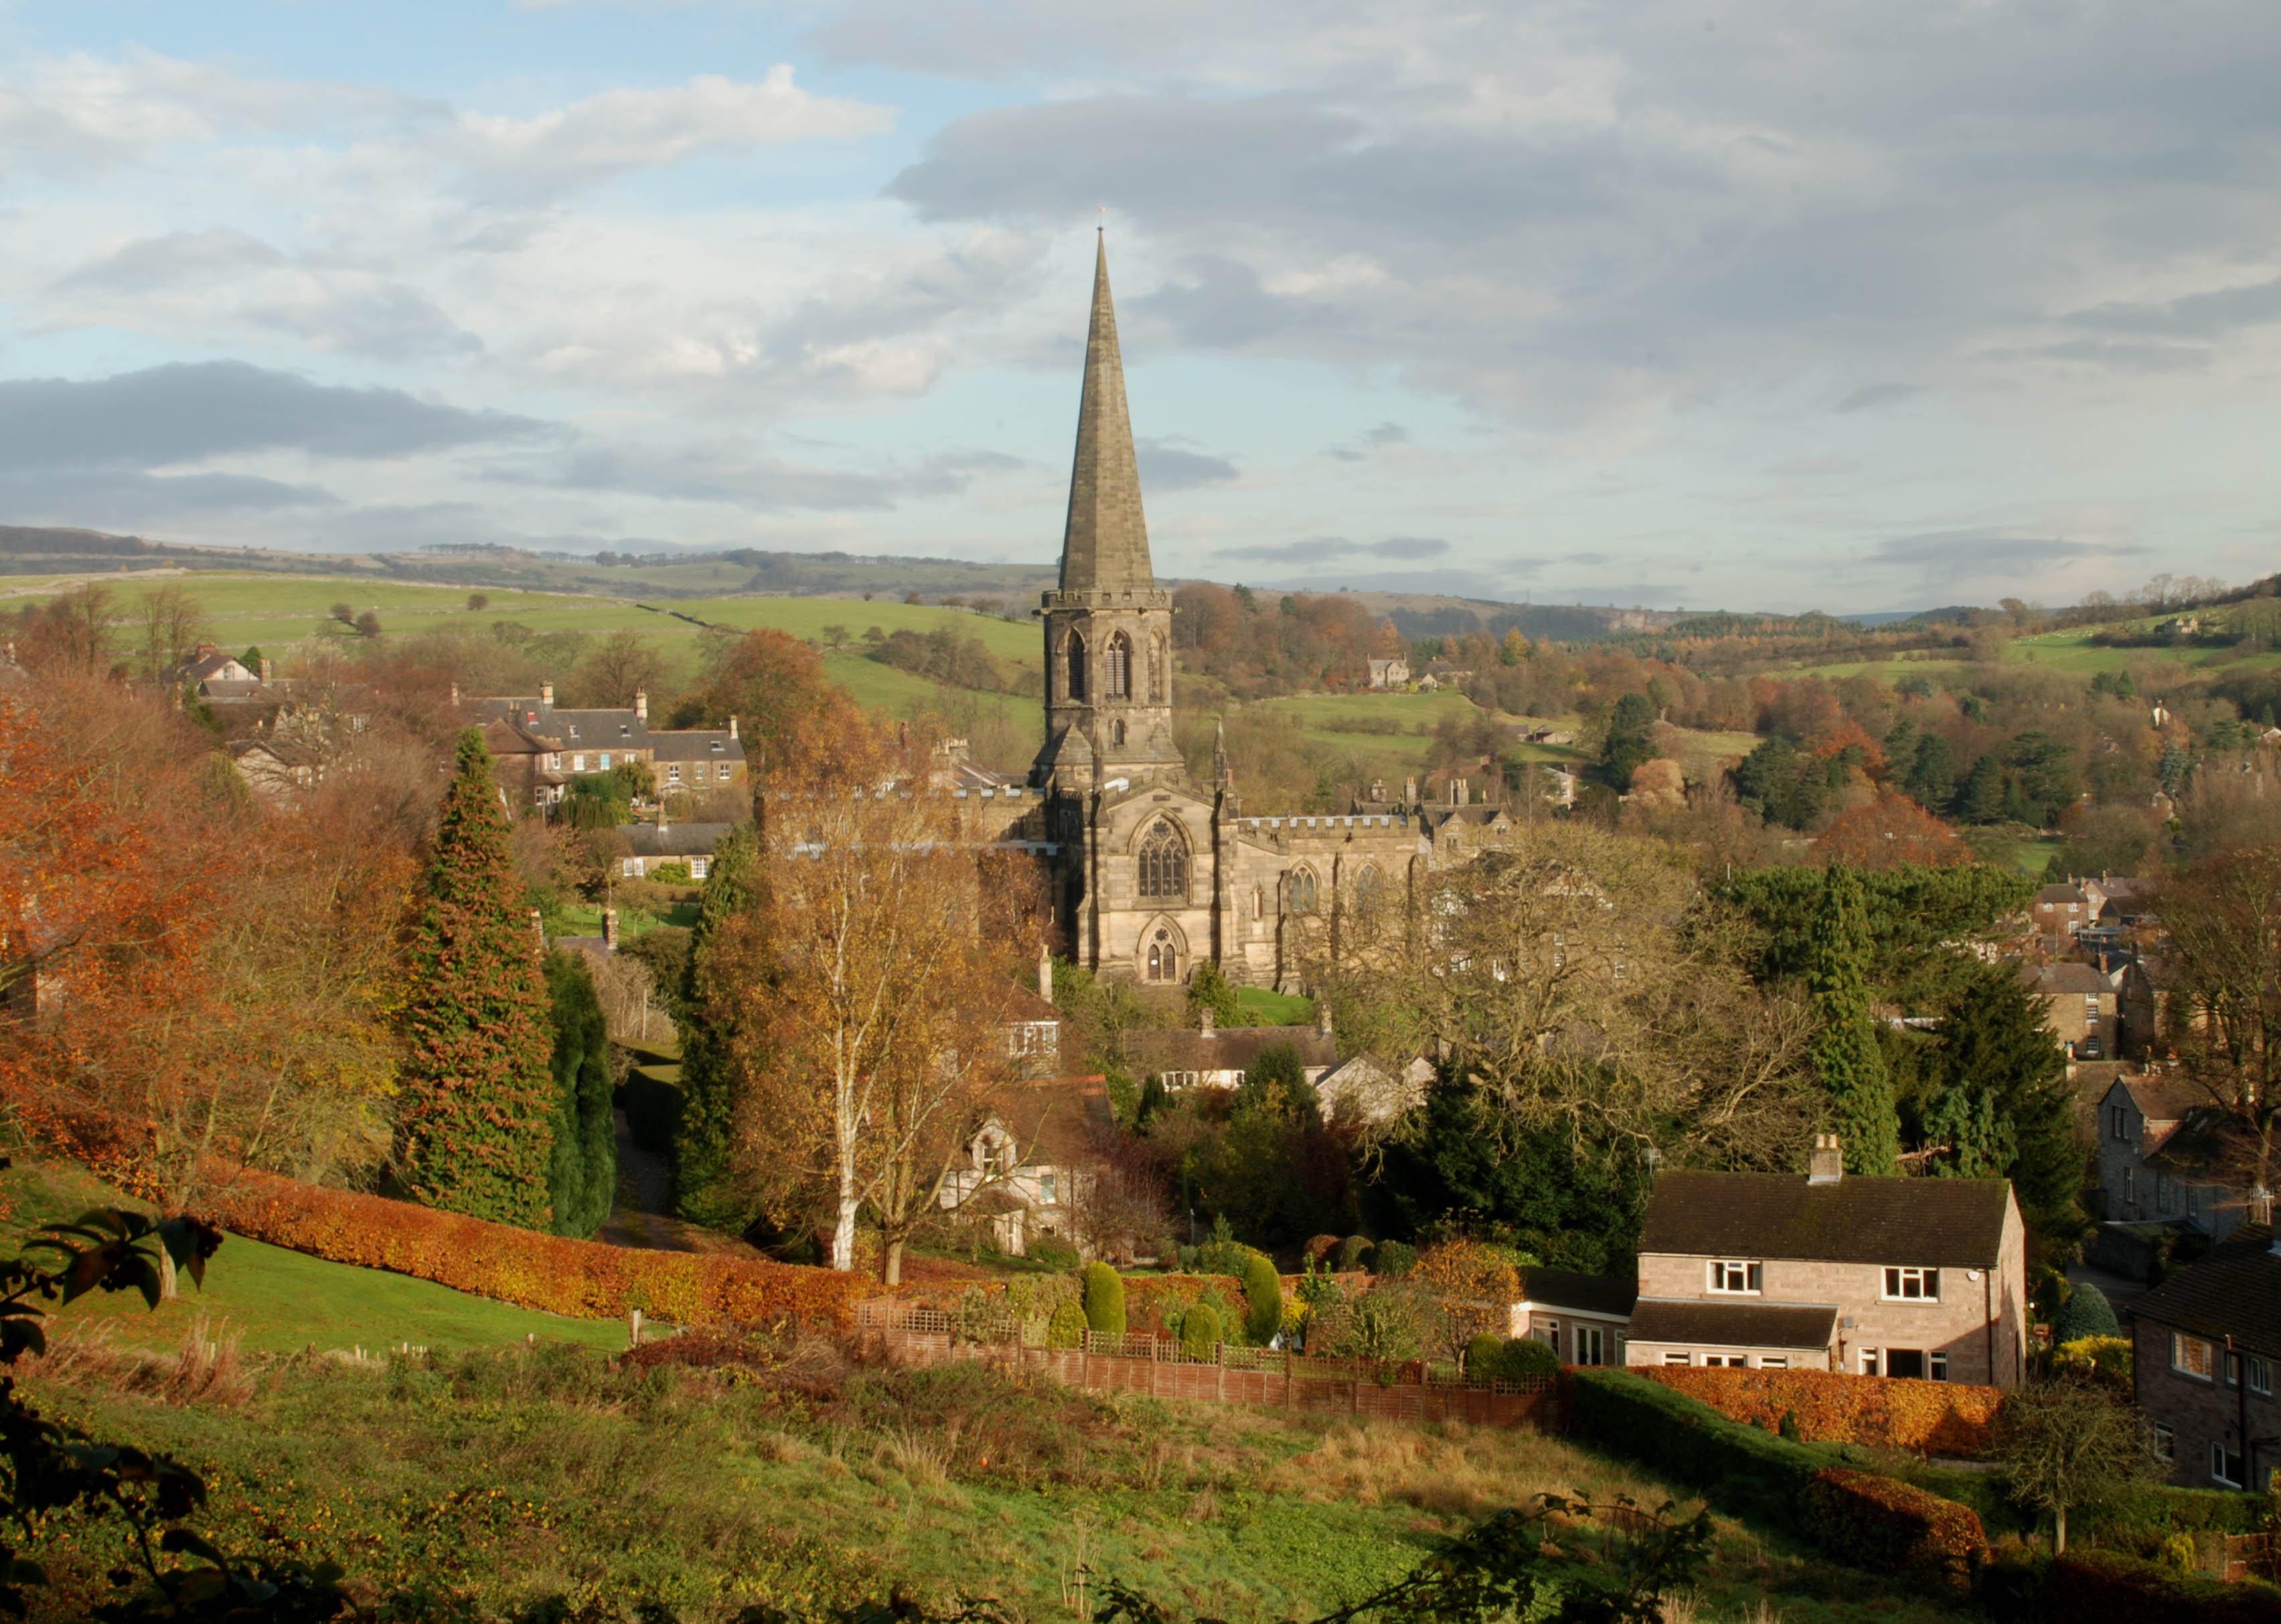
1586, 1318
2208, 1345
2079, 1006
1879, 1277
2060, 911
1031, 1163
650, 847
551, 745
1217, 1056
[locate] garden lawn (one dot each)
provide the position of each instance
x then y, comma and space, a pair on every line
277, 1301
520, 1474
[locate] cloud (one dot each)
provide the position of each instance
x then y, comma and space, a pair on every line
1329, 549
105, 497
1977, 553
1873, 395
186, 411
177, 259
1166, 466
586, 143
747, 476
2213, 315
1376, 439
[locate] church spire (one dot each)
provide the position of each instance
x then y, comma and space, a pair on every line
1106, 541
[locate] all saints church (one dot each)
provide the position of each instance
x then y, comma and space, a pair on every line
1154, 872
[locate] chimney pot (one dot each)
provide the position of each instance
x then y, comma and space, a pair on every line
1827, 1166
1045, 975
1409, 792
547, 696
733, 727
1204, 1015
641, 704
267, 668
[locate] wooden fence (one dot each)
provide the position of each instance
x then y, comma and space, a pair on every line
1137, 1363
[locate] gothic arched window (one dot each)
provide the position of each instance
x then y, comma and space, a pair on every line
1164, 863
1163, 958
1116, 732
1118, 666
1077, 665
1303, 898
1367, 890
1156, 670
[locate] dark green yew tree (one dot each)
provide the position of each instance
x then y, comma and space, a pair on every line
726, 974
582, 1178
1845, 1054
2006, 1109
475, 1129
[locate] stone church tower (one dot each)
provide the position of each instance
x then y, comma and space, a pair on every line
1152, 872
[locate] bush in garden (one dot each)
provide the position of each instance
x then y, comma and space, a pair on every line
1892, 1527
1054, 1252
1477, 1287
1199, 1332
1352, 1252
1391, 1322
1066, 1329
1941, 1418
2107, 1358
1485, 1355
1263, 1290
2086, 1313
1524, 1357
1393, 1258
1104, 1299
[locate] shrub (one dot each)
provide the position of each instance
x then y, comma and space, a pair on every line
1388, 1322
2086, 1313
1895, 1528
1749, 1471
1352, 1253
1484, 1355
1054, 1252
1319, 1249
1199, 1331
2107, 1358
1067, 1327
1263, 1290
1476, 1285
1525, 1357
1104, 1299
584, 1279
2100, 1584
1394, 1258
1156, 1301
672, 874
1943, 1418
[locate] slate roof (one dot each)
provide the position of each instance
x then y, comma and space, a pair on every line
1732, 1324
2072, 977
2235, 1291
2163, 1097
1059, 1121
1928, 1223
693, 745
1583, 1294
674, 840
1229, 1048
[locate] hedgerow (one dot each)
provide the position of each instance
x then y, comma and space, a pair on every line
1934, 1417
583, 1280
1895, 1528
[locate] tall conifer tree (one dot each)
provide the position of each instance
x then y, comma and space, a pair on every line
2001, 1065
475, 1131
581, 1180
725, 968
1845, 1055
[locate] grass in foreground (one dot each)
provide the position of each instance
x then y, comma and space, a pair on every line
274, 1300
790, 1475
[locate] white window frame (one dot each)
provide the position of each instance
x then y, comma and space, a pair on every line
578, 763
1727, 1361
1753, 1274
2166, 1442
1898, 1280
1589, 1343
2180, 1345
2218, 1458
673, 772
2260, 1376
1872, 1362
1936, 1364
1774, 1361
1047, 1186
1677, 1358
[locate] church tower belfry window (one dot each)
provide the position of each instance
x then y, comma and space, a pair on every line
1117, 667
1077, 665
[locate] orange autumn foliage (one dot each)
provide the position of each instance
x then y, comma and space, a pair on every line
1889, 832
1934, 1417
1892, 1527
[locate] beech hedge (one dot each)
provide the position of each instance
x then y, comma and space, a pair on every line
1895, 1528
583, 1279
1937, 1418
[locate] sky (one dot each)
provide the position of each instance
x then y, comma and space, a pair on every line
1760, 303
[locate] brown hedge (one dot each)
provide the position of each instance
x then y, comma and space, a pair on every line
1935, 1418
583, 1280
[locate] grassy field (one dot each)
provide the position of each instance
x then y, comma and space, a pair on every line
281, 1302
2014, 848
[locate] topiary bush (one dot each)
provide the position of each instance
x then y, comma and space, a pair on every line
1394, 1258
1524, 1356
1484, 1357
1066, 1329
1200, 1331
1104, 1299
2086, 1313
1263, 1290
1354, 1252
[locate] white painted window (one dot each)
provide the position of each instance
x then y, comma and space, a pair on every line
1774, 1361
2165, 1442
631, 869
577, 763
1679, 1358
1912, 1285
1871, 1364
673, 773
2190, 1355
1936, 1365
1727, 1361
1730, 1276
2225, 1466
2261, 1376
1047, 1184
1589, 1344
605, 759
700, 867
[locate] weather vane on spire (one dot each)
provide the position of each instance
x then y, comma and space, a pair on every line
1103, 226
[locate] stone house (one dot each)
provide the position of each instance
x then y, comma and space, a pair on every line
1361, 1088
2149, 1007
1880, 1277
650, 847
1031, 1164
2208, 1345
569, 744
2079, 1006
1586, 1318
1384, 673
2167, 1155
2060, 911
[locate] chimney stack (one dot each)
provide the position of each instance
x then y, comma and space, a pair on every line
1827, 1163
1204, 1016
733, 727
455, 696
610, 929
1409, 792
267, 668
1045, 974
547, 696
641, 704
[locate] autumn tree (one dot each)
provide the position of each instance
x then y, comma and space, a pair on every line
582, 1176
475, 1129
2067, 1445
774, 685
170, 625
1891, 831
624, 665
2223, 916
1845, 1055
1475, 1287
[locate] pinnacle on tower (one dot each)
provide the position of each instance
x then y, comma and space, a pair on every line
1106, 541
